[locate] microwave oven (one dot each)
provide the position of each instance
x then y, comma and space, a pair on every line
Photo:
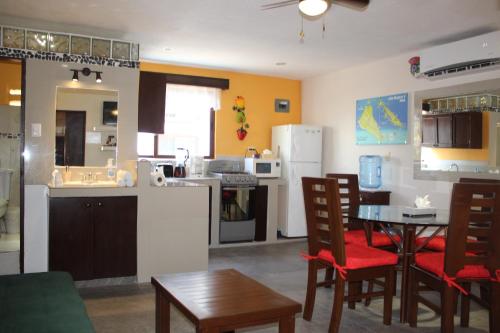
263, 168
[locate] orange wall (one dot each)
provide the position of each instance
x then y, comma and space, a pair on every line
467, 154
259, 93
10, 78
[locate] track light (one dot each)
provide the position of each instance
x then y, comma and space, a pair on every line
86, 72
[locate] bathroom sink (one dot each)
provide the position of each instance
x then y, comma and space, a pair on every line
99, 183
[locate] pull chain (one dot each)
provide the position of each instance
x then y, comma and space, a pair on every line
301, 33
323, 28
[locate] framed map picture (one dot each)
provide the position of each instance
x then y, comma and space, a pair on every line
382, 120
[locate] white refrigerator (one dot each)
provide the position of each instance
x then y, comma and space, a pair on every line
300, 148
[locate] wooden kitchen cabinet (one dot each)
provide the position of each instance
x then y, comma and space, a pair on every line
93, 237
261, 197
452, 130
468, 130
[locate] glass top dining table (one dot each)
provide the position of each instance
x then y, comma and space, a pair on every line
403, 232
394, 215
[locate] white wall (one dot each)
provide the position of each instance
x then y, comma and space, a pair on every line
330, 100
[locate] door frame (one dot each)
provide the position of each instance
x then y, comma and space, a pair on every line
21, 156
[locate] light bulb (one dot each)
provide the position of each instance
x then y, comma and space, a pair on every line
313, 7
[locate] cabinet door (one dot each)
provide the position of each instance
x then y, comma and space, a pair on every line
70, 236
461, 130
444, 131
429, 131
115, 237
468, 130
261, 195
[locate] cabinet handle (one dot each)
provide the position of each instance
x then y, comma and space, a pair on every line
99, 204
87, 205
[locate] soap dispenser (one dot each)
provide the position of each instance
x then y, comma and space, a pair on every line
111, 169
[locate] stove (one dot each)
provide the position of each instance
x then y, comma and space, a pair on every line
235, 178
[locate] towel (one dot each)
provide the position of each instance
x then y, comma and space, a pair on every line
124, 178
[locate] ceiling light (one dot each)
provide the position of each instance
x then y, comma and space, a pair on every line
15, 92
75, 76
98, 77
15, 103
280, 63
313, 7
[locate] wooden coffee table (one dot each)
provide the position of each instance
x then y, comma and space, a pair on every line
221, 301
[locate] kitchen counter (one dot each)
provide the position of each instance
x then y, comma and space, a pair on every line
88, 191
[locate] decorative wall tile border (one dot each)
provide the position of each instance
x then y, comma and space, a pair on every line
22, 43
62, 57
11, 135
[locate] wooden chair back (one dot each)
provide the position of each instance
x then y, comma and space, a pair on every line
349, 196
324, 217
474, 214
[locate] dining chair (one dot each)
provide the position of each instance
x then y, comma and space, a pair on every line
353, 263
463, 262
355, 233
438, 243
349, 200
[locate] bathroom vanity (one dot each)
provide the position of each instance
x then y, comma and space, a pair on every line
93, 237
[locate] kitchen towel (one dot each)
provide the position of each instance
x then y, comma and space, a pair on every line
157, 179
124, 178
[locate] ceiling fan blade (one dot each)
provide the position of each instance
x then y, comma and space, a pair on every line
279, 4
353, 4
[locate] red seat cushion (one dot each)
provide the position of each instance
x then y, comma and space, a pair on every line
378, 238
359, 256
434, 263
438, 243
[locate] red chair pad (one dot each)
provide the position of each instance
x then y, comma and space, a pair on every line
378, 238
438, 243
434, 263
359, 256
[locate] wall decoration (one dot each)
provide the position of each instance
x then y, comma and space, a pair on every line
22, 43
241, 118
382, 120
281, 105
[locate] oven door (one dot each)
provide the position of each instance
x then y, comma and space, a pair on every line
237, 203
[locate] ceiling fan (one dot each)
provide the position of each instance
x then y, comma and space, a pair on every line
317, 7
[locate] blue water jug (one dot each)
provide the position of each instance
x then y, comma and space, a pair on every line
370, 171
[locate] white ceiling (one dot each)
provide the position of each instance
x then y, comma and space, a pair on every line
237, 35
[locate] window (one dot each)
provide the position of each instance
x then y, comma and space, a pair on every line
189, 123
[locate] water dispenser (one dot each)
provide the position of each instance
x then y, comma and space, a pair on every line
370, 171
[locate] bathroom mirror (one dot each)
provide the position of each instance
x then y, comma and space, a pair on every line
86, 127
458, 130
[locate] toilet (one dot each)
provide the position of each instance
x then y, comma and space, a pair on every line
5, 178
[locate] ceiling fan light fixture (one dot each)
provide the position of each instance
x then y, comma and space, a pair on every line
313, 7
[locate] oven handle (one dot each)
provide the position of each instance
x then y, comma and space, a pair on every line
238, 188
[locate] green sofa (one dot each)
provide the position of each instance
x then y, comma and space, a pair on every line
42, 303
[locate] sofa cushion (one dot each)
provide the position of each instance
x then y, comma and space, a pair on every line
41, 302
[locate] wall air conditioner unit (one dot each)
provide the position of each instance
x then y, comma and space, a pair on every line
474, 53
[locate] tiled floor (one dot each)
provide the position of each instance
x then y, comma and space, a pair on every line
131, 308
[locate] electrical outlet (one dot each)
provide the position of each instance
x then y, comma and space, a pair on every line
251, 148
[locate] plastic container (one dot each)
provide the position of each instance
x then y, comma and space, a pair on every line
370, 171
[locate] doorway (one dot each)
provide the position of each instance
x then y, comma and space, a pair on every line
11, 165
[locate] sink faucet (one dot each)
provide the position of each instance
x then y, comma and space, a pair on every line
453, 165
